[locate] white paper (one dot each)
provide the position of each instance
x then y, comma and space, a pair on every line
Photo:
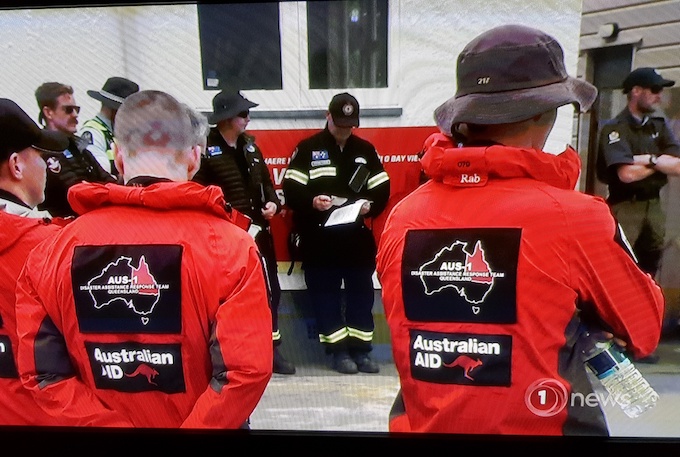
338, 201
253, 230
346, 214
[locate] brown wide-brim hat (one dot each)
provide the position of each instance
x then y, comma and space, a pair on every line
510, 74
227, 104
114, 91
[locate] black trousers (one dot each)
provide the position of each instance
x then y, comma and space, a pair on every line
344, 325
265, 244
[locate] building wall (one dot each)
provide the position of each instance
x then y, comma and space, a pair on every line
653, 28
158, 47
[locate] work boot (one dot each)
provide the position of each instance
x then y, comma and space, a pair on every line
281, 365
343, 363
365, 364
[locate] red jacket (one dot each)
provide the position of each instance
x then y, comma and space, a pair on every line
19, 235
149, 310
489, 273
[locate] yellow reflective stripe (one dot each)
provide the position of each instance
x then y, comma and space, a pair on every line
360, 334
297, 176
276, 336
334, 337
321, 171
377, 180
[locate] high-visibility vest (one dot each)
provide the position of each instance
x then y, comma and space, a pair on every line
97, 124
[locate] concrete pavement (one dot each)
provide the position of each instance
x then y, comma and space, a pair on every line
317, 398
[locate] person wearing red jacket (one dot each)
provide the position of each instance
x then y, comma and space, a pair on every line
22, 188
161, 320
494, 270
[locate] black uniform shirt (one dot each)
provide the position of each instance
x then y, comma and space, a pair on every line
74, 165
623, 137
319, 167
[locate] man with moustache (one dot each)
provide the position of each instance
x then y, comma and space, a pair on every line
59, 112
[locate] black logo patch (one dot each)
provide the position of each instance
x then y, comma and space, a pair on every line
461, 358
85, 139
137, 367
128, 288
8, 368
461, 275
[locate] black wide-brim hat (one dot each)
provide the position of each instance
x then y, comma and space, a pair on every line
509, 74
114, 91
227, 105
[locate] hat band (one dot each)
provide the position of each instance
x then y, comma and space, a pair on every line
110, 96
43, 149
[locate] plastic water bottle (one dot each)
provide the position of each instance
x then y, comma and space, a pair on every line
619, 376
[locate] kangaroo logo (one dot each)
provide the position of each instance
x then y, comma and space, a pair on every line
466, 363
144, 370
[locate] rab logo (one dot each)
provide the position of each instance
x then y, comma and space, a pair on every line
470, 179
466, 363
134, 286
144, 370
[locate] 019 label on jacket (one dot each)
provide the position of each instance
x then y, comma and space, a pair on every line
460, 358
461, 275
136, 367
127, 288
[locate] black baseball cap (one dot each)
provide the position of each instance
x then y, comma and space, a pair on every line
344, 109
645, 77
18, 132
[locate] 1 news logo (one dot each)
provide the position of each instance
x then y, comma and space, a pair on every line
547, 397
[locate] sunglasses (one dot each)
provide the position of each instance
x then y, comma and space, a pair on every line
69, 109
244, 114
655, 90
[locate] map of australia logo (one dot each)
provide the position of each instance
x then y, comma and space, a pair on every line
455, 267
123, 282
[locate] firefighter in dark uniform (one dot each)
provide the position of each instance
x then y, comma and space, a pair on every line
637, 153
335, 168
59, 112
233, 162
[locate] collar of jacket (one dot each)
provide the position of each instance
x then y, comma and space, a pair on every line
85, 197
476, 166
329, 136
14, 227
104, 120
626, 116
11, 206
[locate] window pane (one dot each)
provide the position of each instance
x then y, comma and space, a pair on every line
347, 43
240, 45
